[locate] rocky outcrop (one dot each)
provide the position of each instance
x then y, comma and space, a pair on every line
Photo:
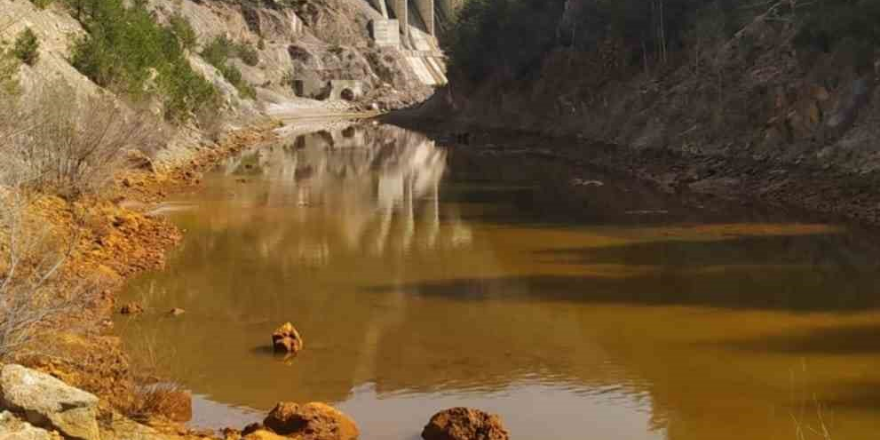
464, 424
286, 339
312, 421
11, 428
48, 403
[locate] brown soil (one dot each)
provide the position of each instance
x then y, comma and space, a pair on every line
113, 240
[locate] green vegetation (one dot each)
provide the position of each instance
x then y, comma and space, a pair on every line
126, 51
218, 52
27, 47
507, 35
183, 30
513, 36
830, 24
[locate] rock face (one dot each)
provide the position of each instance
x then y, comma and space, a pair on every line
49, 403
286, 339
464, 424
13, 429
312, 421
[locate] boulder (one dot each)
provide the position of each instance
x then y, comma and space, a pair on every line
49, 403
312, 421
11, 428
464, 424
286, 339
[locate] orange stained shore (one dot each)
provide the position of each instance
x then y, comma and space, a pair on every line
418, 287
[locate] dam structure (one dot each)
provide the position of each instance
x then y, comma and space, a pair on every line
411, 26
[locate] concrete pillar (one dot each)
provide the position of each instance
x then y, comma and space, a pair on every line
386, 33
426, 10
401, 10
381, 7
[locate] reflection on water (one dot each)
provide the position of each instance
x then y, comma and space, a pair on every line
423, 280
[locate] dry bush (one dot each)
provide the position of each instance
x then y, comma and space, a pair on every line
161, 399
60, 144
153, 396
31, 258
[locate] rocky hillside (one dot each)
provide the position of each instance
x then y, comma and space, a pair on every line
749, 87
253, 53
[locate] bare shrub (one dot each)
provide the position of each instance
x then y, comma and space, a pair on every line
161, 399
31, 258
60, 144
153, 360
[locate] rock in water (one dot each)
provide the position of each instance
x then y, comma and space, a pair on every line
464, 424
131, 309
312, 421
286, 339
49, 403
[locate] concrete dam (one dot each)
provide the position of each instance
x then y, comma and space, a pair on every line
412, 26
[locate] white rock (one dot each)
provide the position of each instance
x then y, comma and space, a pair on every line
49, 403
12, 428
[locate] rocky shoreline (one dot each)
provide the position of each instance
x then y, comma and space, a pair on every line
114, 238
88, 388
815, 190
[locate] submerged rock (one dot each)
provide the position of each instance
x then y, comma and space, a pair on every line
312, 421
464, 424
49, 403
131, 309
286, 339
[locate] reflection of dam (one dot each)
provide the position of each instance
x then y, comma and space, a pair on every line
379, 186
638, 329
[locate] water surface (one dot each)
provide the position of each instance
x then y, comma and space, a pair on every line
575, 305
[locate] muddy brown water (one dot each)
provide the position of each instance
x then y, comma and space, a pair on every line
573, 303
